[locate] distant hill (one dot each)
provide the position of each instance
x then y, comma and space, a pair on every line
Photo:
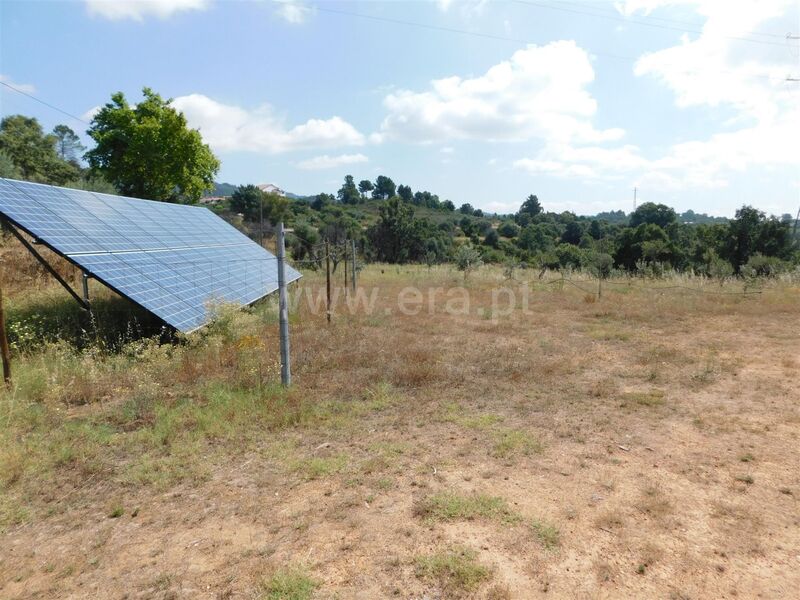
226, 189
221, 189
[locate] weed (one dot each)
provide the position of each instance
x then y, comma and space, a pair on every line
514, 442
650, 399
547, 534
291, 583
450, 506
456, 570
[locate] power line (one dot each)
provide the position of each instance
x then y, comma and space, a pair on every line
40, 101
643, 23
501, 38
645, 18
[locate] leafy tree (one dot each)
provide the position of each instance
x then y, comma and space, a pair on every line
655, 214
647, 242
448, 205
467, 259
68, 144
573, 233
276, 208
492, 239
320, 201
32, 152
405, 193
7, 167
752, 232
530, 209
397, 237
537, 237
384, 188
466, 209
247, 200
148, 151
302, 242
508, 229
365, 186
569, 256
348, 193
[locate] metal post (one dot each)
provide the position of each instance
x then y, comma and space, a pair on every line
4, 344
261, 219
328, 276
353, 274
286, 369
86, 288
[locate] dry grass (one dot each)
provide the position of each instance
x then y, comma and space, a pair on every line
649, 432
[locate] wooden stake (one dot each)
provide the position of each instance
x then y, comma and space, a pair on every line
328, 275
345, 267
4, 344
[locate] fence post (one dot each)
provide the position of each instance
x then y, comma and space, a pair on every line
286, 369
353, 274
328, 276
4, 344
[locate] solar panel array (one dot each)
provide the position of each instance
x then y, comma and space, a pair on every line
174, 260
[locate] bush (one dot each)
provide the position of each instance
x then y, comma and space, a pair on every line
764, 266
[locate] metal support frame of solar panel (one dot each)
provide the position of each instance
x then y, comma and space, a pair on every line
173, 260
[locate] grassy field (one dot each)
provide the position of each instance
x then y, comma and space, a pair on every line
641, 445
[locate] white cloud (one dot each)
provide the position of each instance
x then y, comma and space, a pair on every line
117, 10
588, 162
293, 11
329, 162
713, 70
28, 88
710, 72
447, 150
228, 128
540, 93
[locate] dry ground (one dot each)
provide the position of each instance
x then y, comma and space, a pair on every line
641, 446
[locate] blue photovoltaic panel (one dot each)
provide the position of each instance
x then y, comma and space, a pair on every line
172, 259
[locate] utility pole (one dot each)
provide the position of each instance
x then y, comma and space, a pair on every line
283, 304
4, 344
353, 274
634, 199
794, 229
328, 276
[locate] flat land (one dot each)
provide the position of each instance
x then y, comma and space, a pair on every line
643, 445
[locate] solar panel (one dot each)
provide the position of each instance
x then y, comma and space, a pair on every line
174, 260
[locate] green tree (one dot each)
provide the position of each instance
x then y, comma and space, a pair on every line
466, 209
467, 259
302, 242
384, 188
508, 229
7, 167
32, 152
148, 151
405, 193
246, 200
68, 144
348, 193
397, 237
365, 186
529, 209
655, 214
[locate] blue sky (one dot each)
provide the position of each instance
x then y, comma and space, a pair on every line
577, 102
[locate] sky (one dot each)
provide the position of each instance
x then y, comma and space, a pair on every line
691, 102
